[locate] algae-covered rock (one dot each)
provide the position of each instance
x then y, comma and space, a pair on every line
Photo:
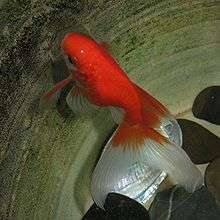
170, 48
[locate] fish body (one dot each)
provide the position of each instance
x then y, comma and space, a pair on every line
104, 83
147, 136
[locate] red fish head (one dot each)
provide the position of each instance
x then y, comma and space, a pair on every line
82, 52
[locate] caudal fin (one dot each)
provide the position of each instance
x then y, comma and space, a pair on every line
135, 157
175, 162
170, 128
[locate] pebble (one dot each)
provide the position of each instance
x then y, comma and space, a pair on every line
117, 207
96, 213
207, 105
212, 179
177, 204
121, 207
200, 144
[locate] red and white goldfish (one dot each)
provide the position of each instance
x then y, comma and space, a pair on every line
147, 136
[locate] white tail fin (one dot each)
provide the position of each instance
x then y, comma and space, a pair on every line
137, 161
175, 162
170, 128
123, 172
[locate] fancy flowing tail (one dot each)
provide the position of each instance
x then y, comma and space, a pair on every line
130, 153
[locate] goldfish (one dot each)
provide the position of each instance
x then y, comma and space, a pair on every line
147, 134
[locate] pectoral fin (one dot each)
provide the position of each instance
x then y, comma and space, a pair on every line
50, 97
78, 103
117, 114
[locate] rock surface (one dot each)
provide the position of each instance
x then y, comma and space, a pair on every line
212, 179
96, 213
178, 204
118, 207
124, 208
207, 105
200, 144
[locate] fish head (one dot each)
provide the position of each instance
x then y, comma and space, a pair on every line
82, 54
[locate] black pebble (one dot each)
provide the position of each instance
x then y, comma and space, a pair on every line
96, 213
178, 204
212, 179
117, 207
121, 207
207, 105
201, 145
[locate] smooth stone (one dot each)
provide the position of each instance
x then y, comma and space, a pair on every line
117, 207
121, 207
96, 213
176, 203
207, 105
200, 144
212, 179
